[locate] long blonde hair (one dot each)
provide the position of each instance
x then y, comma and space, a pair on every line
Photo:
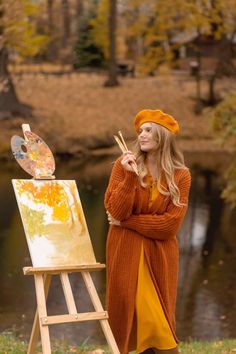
169, 158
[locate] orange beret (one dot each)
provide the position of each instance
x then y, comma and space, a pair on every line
156, 116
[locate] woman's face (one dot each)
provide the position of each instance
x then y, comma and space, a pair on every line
146, 139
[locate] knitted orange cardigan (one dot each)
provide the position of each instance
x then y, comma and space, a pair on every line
155, 227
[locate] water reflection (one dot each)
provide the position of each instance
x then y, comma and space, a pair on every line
205, 307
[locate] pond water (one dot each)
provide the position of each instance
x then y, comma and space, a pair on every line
206, 307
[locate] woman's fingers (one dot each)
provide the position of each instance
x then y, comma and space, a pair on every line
129, 154
128, 159
111, 220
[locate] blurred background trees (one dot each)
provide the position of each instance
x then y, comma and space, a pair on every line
197, 34
128, 37
223, 119
19, 40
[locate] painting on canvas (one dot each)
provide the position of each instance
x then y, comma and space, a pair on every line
54, 222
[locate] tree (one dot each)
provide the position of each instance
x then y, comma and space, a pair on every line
223, 30
7, 91
150, 27
104, 34
112, 68
100, 27
224, 126
66, 22
88, 53
51, 31
214, 21
18, 35
155, 26
79, 8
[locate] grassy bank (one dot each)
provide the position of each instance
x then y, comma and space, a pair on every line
9, 344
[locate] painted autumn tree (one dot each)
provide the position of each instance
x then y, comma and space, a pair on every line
18, 36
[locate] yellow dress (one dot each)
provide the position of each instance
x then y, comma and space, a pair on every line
153, 330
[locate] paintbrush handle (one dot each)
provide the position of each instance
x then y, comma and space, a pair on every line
119, 143
134, 167
122, 139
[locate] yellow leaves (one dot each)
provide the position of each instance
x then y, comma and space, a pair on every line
63, 201
61, 212
53, 196
100, 27
20, 31
137, 28
33, 221
224, 127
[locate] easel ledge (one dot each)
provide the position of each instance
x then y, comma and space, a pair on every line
63, 269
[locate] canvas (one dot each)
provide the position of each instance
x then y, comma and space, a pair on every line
54, 222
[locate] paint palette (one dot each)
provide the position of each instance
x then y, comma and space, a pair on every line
33, 155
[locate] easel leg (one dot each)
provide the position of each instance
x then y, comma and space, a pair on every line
98, 307
42, 312
35, 328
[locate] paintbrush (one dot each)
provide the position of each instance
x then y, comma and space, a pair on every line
122, 145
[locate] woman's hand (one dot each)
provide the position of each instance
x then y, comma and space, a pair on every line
127, 160
111, 220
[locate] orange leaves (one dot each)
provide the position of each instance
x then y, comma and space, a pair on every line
52, 195
61, 212
42, 194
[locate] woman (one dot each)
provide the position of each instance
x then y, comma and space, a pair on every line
145, 213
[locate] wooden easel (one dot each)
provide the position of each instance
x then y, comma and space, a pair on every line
42, 279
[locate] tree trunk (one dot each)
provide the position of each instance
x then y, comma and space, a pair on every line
51, 32
66, 23
212, 98
79, 17
8, 99
9, 103
79, 8
198, 106
112, 69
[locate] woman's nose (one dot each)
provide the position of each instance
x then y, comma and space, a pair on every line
142, 134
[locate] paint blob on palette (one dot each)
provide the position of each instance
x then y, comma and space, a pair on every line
33, 155
54, 222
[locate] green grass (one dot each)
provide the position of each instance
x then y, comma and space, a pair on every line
226, 346
9, 344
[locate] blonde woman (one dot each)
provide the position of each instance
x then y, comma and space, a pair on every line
145, 213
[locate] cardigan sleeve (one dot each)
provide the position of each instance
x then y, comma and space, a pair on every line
164, 226
120, 193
